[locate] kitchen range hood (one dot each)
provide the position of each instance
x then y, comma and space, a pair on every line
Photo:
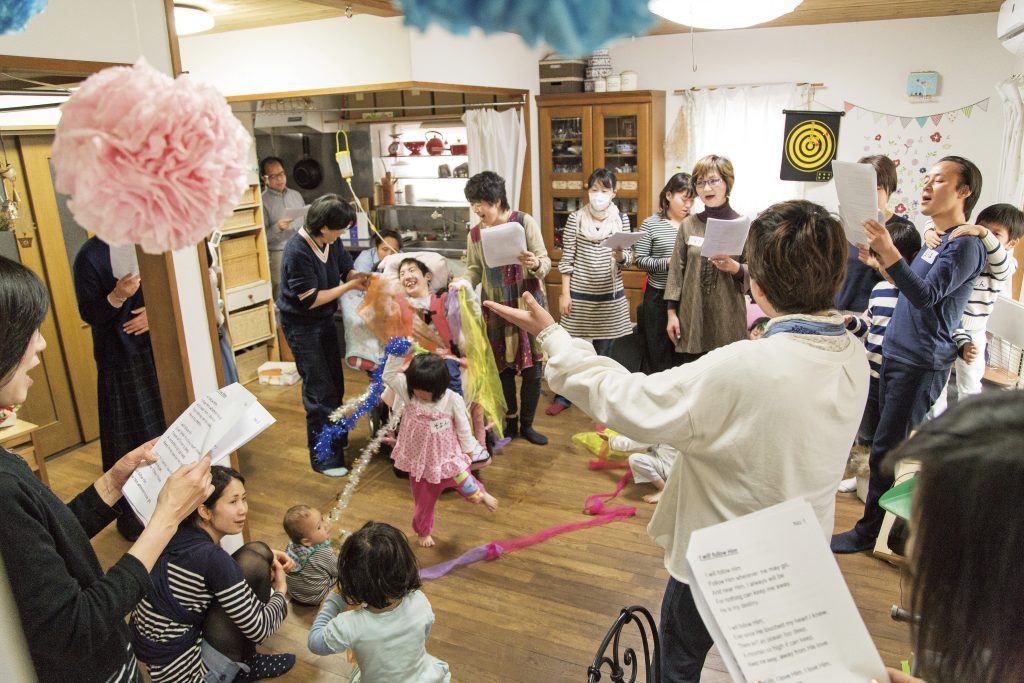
294, 122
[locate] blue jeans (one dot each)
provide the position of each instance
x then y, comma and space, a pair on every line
685, 640
905, 395
314, 342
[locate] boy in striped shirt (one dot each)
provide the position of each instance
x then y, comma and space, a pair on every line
1000, 227
871, 327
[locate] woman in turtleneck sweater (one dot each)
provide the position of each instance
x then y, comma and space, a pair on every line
705, 296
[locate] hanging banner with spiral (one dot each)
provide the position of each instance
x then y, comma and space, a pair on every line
810, 144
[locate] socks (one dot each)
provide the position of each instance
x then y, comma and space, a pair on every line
266, 666
468, 486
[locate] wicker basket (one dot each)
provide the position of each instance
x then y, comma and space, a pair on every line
240, 260
249, 361
241, 219
251, 325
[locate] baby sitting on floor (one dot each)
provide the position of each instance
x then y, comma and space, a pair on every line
316, 566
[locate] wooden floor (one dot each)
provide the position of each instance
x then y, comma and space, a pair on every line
535, 615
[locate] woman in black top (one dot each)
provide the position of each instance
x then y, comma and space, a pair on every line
314, 274
71, 613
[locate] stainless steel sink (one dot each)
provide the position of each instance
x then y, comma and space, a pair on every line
456, 248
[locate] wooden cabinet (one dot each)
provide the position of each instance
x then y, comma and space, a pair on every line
245, 286
621, 131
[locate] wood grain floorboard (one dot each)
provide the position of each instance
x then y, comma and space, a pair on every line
535, 615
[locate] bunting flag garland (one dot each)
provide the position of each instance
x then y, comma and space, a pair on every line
905, 121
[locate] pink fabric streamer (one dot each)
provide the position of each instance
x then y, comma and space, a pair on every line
594, 505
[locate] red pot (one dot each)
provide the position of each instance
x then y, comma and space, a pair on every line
460, 148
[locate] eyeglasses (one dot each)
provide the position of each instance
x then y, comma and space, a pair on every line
710, 182
275, 176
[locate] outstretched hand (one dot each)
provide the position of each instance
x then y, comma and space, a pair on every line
532, 320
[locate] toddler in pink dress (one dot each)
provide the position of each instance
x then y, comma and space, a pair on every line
435, 442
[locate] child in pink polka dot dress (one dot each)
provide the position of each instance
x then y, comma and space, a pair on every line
435, 443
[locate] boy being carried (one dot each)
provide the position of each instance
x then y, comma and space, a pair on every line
316, 566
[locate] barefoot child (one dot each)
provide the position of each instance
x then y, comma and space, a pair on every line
650, 464
435, 440
316, 566
388, 627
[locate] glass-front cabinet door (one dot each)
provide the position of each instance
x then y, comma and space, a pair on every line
566, 138
620, 136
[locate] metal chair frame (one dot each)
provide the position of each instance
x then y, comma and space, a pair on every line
652, 666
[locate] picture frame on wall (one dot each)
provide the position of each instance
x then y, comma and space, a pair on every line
922, 86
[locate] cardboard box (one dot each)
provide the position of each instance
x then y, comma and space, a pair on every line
420, 100
448, 103
389, 101
282, 373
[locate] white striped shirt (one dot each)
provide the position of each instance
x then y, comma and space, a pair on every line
871, 328
653, 251
994, 279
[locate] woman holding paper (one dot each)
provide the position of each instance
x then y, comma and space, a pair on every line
705, 296
594, 304
71, 613
313, 277
515, 351
652, 255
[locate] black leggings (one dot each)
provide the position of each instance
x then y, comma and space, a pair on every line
219, 630
529, 392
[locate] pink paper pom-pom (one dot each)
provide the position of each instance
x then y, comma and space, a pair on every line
148, 159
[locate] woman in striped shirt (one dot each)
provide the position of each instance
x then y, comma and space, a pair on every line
206, 609
652, 254
593, 303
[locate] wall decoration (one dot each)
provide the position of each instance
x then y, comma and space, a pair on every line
148, 159
905, 121
810, 144
15, 14
913, 152
922, 86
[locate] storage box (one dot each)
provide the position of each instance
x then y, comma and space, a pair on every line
240, 260
249, 361
285, 374
420, 100
480, 98
250, 196
241, 219
556, 87
362, 102
561, 69
251, 325
447, 102
389, 101
247, 295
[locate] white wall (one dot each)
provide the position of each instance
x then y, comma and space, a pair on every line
330, 53
865, 63
117, 31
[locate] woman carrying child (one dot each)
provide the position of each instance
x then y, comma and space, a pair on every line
435, 442
387, 631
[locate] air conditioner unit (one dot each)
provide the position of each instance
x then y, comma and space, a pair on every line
294, 122
1010, 26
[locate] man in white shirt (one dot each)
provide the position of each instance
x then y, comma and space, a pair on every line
276, 198
756, 422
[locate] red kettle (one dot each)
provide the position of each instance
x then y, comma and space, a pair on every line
436, 145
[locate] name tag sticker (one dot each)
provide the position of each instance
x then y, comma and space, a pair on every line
695, 241
441, 425
929, 256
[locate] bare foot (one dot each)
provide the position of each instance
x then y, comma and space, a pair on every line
652, 497
426, 541
490, 501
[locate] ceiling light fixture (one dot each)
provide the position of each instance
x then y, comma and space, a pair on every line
721, 14
189, 19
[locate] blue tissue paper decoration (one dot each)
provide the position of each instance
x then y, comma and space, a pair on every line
323, 449
571, 27
15, 14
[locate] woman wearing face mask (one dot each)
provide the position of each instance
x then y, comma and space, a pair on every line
705, 296
652, 255
593, 303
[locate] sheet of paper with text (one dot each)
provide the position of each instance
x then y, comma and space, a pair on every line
774, 600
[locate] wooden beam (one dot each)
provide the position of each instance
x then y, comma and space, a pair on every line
377, 8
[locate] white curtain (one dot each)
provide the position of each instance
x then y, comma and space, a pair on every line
1011, 171
497, 142
745, 124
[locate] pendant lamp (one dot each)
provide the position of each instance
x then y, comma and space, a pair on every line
721, 14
